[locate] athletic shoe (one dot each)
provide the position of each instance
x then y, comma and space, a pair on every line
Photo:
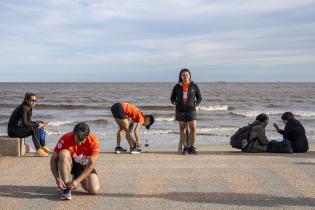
138, 148
119, 150
66, 194
134, 150
46, 149
192, 150
185, 151
41, 152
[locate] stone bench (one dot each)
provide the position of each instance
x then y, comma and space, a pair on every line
12, 146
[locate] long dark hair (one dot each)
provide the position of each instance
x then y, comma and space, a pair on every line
180, 73
27, 97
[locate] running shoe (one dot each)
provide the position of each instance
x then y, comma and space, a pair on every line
185, 151
138, 148
192, 150
46, 149
66, 194
119, 150
134, 150
41, 152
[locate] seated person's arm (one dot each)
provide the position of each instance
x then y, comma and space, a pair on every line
261, 135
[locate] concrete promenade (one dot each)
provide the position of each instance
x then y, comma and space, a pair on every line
217, 178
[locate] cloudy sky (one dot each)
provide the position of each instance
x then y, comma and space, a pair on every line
141, 40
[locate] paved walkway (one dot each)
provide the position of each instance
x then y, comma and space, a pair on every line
219, 177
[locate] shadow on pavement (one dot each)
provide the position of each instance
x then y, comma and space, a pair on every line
245, 199
225, 198
30, 192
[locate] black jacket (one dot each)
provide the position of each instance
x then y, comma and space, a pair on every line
194, 98
19, 118
295, 133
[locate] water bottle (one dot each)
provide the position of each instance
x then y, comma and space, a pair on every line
41, 134
146, 146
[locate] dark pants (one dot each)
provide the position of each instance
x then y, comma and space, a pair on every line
77, 169
23, 132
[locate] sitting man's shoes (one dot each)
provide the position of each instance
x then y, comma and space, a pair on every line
119, 150
66, 194
41, 152
185, 151
192, 150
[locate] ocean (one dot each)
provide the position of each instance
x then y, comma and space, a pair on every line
225, 108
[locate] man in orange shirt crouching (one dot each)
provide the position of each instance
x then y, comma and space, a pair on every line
76, 153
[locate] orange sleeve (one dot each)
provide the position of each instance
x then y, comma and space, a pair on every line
60, 145
95, 148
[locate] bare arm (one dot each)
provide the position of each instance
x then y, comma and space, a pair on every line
137, 134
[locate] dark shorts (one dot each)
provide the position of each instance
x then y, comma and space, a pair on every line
77, 169
185, 116
118, 111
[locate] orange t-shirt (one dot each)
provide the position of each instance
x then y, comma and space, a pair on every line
79, 153
185, 92
133, 112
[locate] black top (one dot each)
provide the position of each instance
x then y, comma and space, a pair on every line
194, 98
295, 133
19, 118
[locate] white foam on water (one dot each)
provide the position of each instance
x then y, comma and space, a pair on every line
213, 108
164, 119
59, 123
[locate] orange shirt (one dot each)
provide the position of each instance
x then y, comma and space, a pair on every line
79, 153
133, 112
185, 92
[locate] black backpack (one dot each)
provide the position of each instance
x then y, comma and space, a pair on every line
241, 138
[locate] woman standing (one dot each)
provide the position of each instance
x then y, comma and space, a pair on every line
186, 96
21, 126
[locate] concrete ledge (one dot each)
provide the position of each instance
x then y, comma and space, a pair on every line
12, 146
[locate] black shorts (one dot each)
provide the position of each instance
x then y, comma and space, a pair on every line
77, 169
118, 111
185, 116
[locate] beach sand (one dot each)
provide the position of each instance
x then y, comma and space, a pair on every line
218, 177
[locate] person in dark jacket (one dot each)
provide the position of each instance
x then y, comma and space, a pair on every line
21, 126
186, 96
258, 141
294, 132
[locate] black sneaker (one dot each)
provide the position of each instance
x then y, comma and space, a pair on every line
119, 150
185, 151
134, 150
138, 148
192, 150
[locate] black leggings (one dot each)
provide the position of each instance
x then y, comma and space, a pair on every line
24, 132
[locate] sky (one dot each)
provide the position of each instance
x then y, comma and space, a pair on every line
151, 41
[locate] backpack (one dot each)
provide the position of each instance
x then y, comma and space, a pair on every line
240, 139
